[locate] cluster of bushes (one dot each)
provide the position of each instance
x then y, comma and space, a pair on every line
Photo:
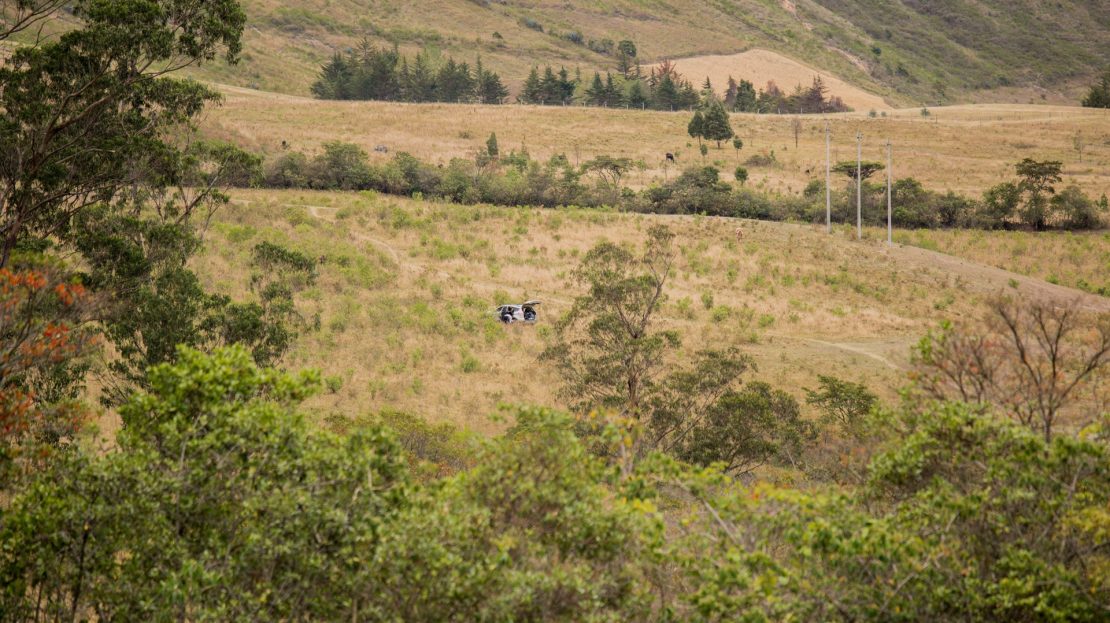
517, 180
370, 73
742, 97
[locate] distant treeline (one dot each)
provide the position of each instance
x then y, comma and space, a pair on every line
370, 73
518, 180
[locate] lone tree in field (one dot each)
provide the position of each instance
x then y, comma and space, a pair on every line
609, 169
717, 127
866, 169
737, 144
696, 127
492, 150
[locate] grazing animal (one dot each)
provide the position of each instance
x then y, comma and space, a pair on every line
381, 149
670, 157
739, 234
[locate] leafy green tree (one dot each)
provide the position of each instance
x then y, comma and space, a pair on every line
842, 403
737, 144
1000, 204
609, 169
1037, 184
335, 80
626, 59
341, 166
100, 88
996, 506
741, 175
1076, 209
216, 481
745, 429
866, 169
575, 554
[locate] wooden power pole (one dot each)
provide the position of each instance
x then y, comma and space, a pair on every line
889, 201
828, 181
859, 185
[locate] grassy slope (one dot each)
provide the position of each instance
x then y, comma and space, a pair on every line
406, 294
963, 44
1077, 260
965, 149
983, 44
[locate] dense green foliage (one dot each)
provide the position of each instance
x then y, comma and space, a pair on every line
221, 502
515, 179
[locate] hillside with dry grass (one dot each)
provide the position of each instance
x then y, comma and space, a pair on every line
903, 51
402, 316
966, 149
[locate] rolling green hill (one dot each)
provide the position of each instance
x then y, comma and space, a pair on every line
909, 51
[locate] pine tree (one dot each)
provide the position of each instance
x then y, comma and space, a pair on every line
745, 97
696, 127
636, 98
334, 80
1099, 95
489, 89
565, 93
531, 93
595, 94
716, 126
666, 95
687, 96
612, 93
550, 90
491, 146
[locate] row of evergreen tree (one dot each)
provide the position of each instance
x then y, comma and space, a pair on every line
370, 73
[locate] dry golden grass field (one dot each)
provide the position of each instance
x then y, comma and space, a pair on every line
962, 148
1074, 259
407, 289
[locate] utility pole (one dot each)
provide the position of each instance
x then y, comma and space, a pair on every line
828, 180
889, 202
859, 185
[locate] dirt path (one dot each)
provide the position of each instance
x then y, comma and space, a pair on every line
991, 280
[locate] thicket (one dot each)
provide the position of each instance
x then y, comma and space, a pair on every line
515, 179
